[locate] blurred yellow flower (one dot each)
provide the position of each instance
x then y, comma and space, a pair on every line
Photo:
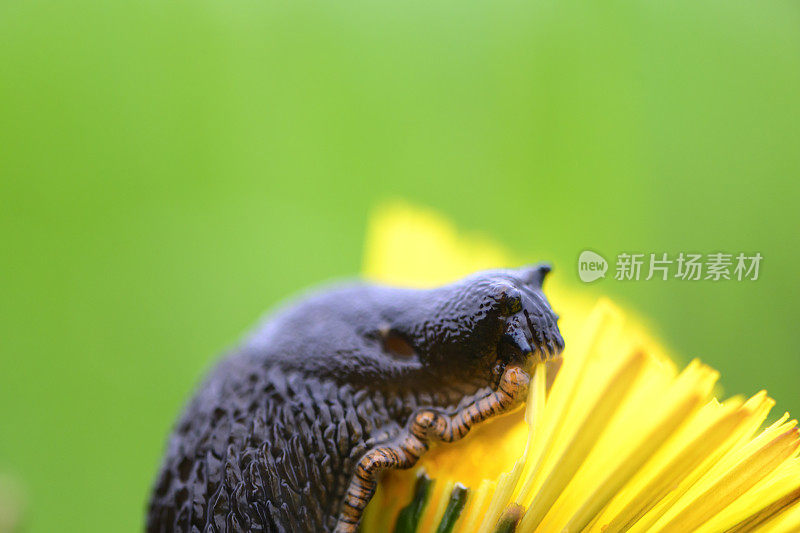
12, 503
621, 441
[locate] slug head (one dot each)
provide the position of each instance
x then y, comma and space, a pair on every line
488, 321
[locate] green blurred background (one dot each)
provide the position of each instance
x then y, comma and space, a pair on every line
169, 170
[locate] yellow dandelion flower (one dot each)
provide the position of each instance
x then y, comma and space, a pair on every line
620, 440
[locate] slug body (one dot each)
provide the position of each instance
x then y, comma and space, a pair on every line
290, 432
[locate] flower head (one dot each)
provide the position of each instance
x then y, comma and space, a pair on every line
617, 439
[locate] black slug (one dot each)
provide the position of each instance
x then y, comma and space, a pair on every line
289, 432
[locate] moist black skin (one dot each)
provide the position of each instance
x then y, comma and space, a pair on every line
271, 438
